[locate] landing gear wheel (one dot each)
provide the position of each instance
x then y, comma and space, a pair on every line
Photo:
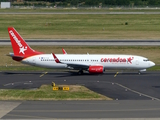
139, 72
80, 72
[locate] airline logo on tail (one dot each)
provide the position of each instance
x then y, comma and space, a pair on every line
22, 49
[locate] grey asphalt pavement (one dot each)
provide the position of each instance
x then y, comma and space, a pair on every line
87, 42
124, 86
86, 110
135, 96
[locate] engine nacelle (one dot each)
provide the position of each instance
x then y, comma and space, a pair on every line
96, 69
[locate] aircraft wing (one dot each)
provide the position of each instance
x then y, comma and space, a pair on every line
71, 65
77, 66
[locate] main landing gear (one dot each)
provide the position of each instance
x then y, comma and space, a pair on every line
80, 72
139, 72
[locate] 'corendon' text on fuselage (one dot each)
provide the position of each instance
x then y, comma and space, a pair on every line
116, 60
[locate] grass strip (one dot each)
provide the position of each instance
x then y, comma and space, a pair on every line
82, 26
45, 92
73, 9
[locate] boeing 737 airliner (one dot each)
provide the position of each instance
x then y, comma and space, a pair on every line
93, 63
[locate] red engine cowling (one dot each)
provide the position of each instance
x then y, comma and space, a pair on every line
96, 69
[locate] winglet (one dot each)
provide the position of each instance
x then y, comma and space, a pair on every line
55, 58
64, 52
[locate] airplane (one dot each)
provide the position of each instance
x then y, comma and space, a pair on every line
93, 63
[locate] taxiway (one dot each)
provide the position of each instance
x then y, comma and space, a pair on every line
124, 86
135, 96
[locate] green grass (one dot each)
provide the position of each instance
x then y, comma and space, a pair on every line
82, 26
45, 92
155, 68
79, 10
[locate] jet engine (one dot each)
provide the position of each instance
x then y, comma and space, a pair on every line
96, 69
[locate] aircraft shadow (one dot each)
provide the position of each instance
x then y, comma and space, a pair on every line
20, 72
71, 73
104, 74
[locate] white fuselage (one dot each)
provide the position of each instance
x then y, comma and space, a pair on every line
107, 61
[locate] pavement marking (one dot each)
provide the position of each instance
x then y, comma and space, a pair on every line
43, 74
128, 89
116, 74
6, 107
28, 116
141, 94
8, 84
25, 82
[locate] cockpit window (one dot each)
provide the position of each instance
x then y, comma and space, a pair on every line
145, 60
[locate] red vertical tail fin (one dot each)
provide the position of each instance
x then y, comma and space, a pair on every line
20, 47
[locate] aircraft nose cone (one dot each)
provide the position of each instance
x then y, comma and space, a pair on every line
152, 64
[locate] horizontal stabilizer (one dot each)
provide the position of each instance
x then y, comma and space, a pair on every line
17, 58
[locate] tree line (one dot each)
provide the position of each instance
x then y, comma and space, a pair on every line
93, 2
